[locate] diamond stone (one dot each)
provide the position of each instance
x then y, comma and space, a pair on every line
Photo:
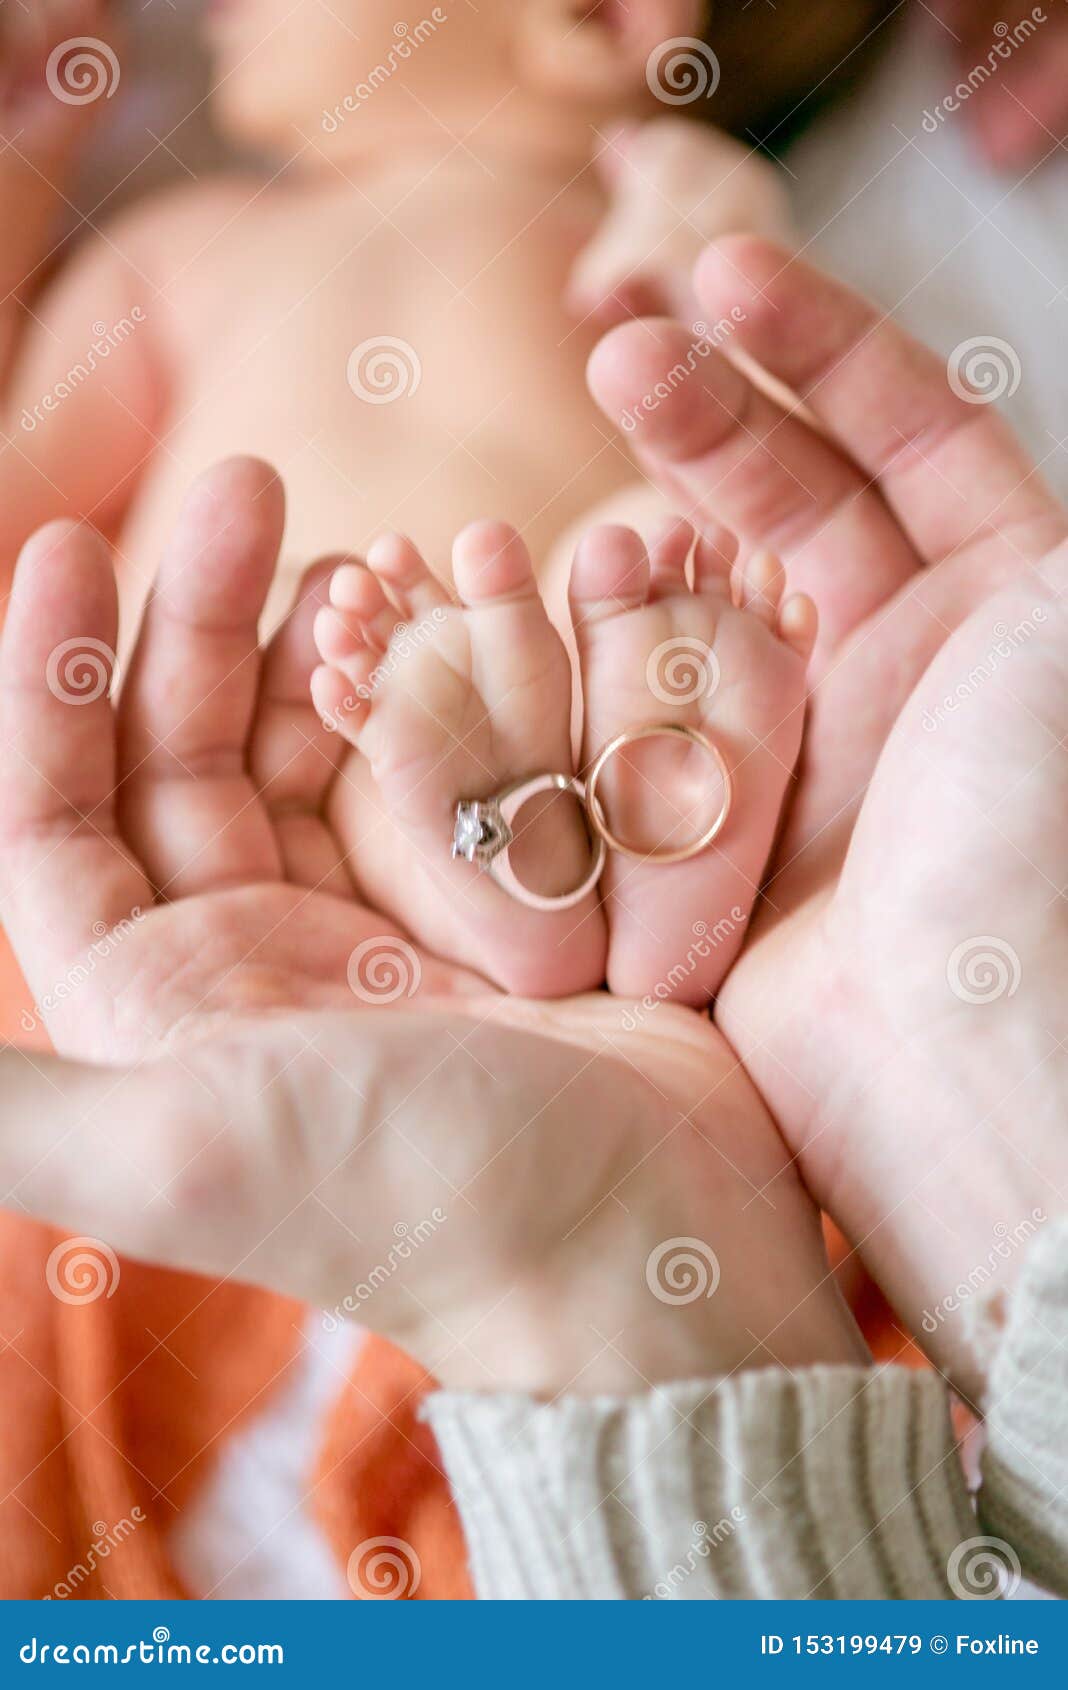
478, 834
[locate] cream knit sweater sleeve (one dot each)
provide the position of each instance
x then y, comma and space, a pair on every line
830, 1482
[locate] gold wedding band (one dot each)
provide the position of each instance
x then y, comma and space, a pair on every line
665, 730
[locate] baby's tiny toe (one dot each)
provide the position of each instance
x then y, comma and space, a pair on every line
798, 624
361, 602
401, 565
669, 552
353, 588
339, 705
713, 559
759, 586
490, 563
338, 633
610, 574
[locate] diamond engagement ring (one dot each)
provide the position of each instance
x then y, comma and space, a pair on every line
485, 828
664, 730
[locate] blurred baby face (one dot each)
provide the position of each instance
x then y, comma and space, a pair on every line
282, 66
286, 69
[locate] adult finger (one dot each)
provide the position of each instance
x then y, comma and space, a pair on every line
945, 461
731, 455
187, 802
66, 875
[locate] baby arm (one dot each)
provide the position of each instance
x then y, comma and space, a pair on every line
82, 399
80, 387
674, 185
41, 135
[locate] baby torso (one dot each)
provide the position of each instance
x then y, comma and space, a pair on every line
409, 368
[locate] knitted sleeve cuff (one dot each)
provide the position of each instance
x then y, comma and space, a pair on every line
832, 1482
1024, 1497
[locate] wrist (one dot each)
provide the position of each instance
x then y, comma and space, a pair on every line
955, 1234
634, 1306
567, 1351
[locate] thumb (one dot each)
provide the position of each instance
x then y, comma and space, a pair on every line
117, 1155
205, 1161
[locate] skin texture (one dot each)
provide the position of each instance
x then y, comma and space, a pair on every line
447, 228
295, 1153
743, 655
459, 699
925, 1119
449, 699
921, 872
305, 1101
456, 228
492, 264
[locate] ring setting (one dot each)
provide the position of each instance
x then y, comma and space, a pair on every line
484, 830
480, 832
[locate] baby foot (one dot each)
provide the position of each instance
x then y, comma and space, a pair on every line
447, 702
727, 658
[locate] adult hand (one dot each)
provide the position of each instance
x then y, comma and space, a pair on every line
1018, 112
164, 861
513, 1203
498, 1186
923, 1089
